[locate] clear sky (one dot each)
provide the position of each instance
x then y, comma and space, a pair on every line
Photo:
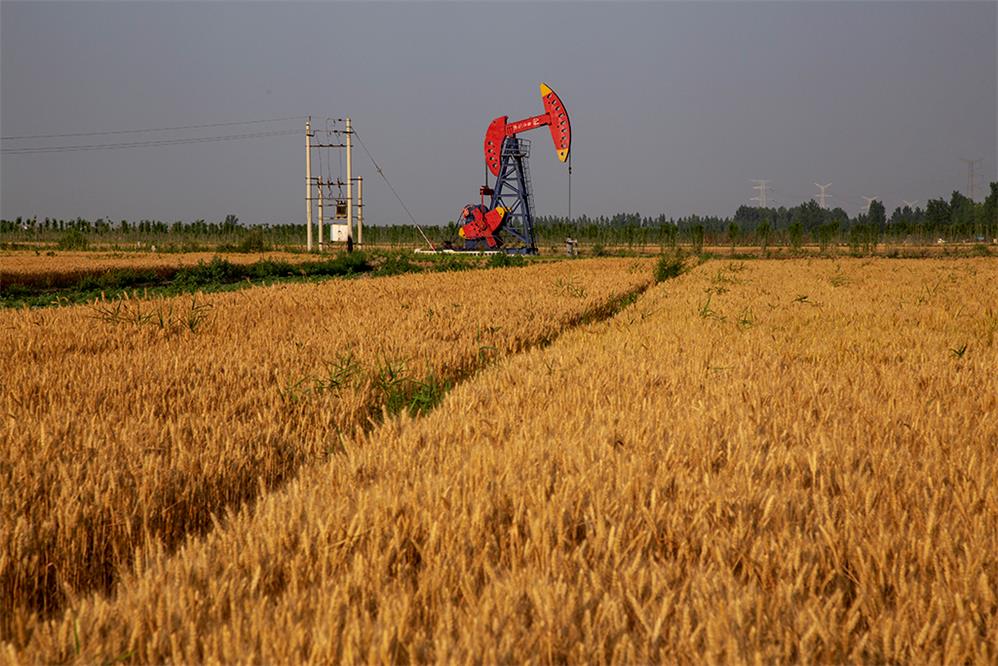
675, 106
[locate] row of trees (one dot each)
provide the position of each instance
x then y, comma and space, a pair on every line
956, 219
230, 226
959, 217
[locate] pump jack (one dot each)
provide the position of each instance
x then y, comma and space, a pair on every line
507, 223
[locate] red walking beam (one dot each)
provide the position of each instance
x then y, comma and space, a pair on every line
555, 117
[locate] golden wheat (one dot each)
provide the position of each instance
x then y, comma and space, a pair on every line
765, 461
133, 422
69, 262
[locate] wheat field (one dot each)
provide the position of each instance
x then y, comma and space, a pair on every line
20, 263
129, 424
760, 461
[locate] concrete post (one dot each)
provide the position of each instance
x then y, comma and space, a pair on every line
349, 134
360, 210
308, 181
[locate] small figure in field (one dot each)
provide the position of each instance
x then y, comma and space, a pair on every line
349, 244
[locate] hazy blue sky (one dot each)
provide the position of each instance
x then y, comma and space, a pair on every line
674, 106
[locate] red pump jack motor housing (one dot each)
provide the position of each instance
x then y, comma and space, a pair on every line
480, 223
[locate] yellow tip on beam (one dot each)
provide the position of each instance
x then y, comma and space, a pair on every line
545, 91
563, 155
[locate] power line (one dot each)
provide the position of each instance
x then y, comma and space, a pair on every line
154, 129
32, 150
387, 182
971, 179
763, 187
823, 196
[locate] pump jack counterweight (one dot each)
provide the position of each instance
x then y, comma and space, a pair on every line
507, 223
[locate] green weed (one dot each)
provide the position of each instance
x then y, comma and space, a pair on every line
669, 267
503, 260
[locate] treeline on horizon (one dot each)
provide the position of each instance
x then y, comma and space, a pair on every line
958, 219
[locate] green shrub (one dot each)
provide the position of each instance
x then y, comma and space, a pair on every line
503, 260
668, 267
697, 234
451, 263
346, 263
73, 240
253, 242
398, 264
269, 268
216, 271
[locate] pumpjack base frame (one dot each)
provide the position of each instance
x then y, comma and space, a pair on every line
477, 253
470, 248
512, 191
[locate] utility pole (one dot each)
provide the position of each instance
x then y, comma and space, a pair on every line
971, 178
327, 183
321, 183
360, 210
763, 187
823, 195
308, 179
321, 223
349, 133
